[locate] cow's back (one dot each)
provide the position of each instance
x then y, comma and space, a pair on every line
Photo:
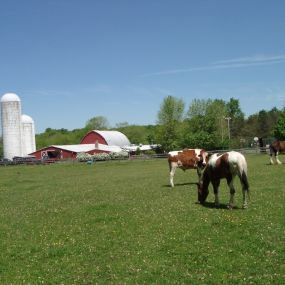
185, 159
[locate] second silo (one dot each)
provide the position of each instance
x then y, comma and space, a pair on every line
28, 135
11, 125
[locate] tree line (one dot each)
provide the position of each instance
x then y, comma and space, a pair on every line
211, 124
215, 124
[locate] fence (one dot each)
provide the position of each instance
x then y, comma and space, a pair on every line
251, 150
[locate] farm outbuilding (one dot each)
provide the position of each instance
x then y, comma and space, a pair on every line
57, 152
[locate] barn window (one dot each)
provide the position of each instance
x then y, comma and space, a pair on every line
53, 154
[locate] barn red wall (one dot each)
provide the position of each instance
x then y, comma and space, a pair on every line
92, 137
64, 153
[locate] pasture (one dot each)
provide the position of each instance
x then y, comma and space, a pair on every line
121, 223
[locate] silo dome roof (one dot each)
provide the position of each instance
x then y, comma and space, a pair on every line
10, 97
26, 119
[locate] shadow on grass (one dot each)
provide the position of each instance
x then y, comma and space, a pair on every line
211, 205
180, 185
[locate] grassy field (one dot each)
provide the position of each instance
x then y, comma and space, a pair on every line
120, 223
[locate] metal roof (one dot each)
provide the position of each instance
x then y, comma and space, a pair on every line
114, 138
88, 147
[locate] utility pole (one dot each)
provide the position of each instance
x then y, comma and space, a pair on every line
228, 119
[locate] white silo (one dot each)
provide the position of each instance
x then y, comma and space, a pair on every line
28, 135
11, 125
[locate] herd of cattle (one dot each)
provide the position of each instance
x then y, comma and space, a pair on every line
211, 168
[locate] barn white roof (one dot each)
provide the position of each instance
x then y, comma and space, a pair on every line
88, 147
114, 138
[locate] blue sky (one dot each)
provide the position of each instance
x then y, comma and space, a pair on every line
71, 60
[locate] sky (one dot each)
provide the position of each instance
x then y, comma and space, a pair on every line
72, 60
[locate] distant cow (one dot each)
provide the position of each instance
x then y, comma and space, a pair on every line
187, 159
226, 165
275, 148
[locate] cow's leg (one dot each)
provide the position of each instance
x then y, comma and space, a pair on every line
199, 172
272, 151
277, 160
271, 159
172, 172
216, 185
230, 182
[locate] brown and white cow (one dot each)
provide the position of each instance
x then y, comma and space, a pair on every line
225, 165
275, 148
187, 159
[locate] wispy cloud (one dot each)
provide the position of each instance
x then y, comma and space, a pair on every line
253, 59
49, 93
257, 60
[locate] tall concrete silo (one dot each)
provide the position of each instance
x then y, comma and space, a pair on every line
28, 135
11, 125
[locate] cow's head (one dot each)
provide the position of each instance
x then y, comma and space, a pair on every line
202, 192
203, 158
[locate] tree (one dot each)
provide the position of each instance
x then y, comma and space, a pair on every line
171, 111
261, 124
279, 129
170, 116
97, 123
198, 108
206, 124
122, 125
237, 117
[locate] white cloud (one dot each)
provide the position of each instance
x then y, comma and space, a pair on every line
253, 59
257, 60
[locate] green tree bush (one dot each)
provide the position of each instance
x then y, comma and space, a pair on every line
279, 128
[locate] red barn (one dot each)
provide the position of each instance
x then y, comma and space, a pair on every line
93, 142
57, 152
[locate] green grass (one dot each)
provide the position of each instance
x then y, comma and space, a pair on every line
120, 223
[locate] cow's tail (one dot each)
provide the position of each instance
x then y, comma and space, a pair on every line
244, 180
245, 184
244, 177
